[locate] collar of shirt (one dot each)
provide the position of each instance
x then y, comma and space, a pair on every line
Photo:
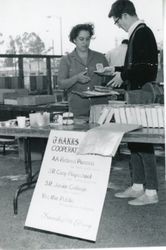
132, 28
75, 55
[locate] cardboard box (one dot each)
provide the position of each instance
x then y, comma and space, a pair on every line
17, 93
31, 100
3, 91
9, 93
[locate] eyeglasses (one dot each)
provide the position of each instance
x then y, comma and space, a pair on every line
116, 21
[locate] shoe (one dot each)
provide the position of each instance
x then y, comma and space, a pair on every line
144, 200
129, 193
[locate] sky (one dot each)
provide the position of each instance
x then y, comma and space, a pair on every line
19, 16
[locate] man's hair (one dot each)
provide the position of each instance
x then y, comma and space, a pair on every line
122, 6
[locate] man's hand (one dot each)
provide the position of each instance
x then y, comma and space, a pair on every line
82, 77
117, 81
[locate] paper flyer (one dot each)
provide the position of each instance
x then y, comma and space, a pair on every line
70, 192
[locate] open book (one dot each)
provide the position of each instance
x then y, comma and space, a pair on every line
104, 140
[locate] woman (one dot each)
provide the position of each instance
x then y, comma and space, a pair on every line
76, 71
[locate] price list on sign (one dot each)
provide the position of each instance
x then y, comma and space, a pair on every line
71, 188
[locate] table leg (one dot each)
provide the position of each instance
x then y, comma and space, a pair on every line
31, 180
19, 190
27, 152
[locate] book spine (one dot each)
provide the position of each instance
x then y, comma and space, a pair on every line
103, 116
160, 116
110, 115
117, 115
143, 117
123, 115
138, 114
154, 117
149, 117
128, 115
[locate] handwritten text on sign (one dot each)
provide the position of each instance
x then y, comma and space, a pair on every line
70, 192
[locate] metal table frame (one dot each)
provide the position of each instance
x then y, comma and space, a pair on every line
148, 135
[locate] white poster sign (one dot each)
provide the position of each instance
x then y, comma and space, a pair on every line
71, 188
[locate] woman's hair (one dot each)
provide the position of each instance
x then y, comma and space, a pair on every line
79, 27
122, 6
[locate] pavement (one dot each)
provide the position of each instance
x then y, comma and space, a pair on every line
121, 225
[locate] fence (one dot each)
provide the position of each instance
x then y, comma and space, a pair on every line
34, 72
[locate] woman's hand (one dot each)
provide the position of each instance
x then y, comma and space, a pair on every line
107, 71
82, 77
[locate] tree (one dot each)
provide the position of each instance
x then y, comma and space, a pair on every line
9, 62
29, 43
26, 43
1, 41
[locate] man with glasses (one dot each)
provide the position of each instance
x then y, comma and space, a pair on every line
116, 21
139, 68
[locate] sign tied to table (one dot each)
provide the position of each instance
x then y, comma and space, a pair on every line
71, 188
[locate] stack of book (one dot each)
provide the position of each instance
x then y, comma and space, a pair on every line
145, 115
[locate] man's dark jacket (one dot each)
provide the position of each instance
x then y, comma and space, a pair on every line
141, 58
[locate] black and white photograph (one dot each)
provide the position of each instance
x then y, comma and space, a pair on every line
82, 124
